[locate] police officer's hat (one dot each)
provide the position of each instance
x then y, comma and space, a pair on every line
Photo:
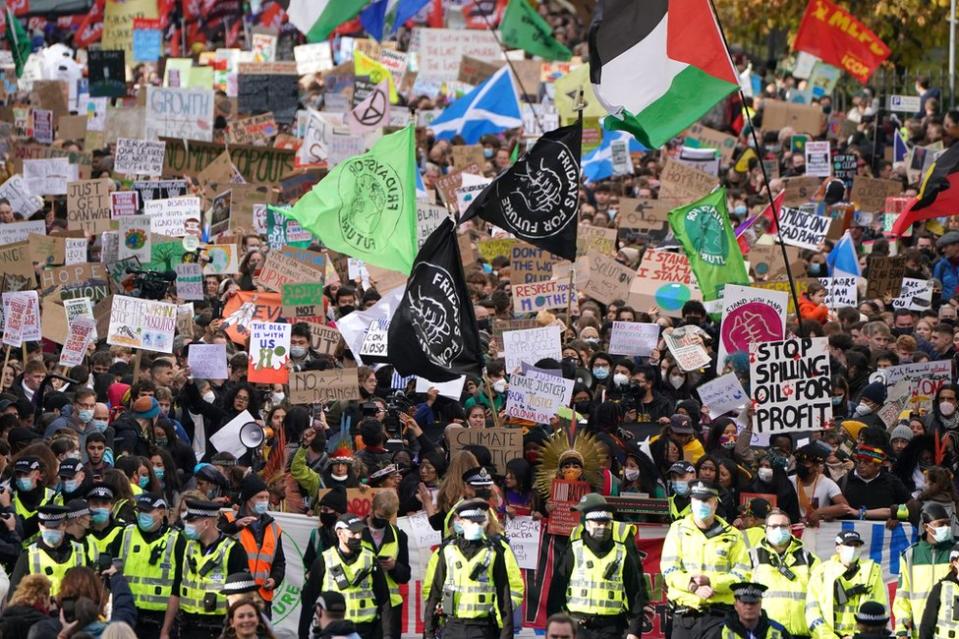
872, 613
593, 506
52, 515
350, 522
100, 491
197, 508
69, 468
77, 508
26, 464
472, 509
151, 501
748, 591
702, 489
331, 601
478, 477
238, 583
849, 538
681, 468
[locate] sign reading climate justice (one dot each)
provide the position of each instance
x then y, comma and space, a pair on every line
791, 386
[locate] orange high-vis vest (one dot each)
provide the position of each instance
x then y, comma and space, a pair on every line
260, 557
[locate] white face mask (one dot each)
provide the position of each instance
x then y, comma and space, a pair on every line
676, 381
848, 555
863, 409
499, 386
209, 397
765, 474
632, 474
947, 409
620, 380
278, 397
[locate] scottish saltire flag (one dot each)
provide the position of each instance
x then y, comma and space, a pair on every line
883, 546
383, 17
900, 148
491, 107
598, 163
842, 259
421, 193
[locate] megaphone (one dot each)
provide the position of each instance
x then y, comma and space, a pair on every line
251, 435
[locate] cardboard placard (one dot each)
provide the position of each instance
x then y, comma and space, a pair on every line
263, 165
302, 299
529, 264
280, 269
800, 190
684, 182
885, 275
803, 118
184, 114
608, 280
313, 387
663, 280
88, 205
473, 70
504, 444
595, 239
712, 139
323, 339
468, 154
139, 157
870, 194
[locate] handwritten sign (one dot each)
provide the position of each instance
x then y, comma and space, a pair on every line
530, 346
537, 397
539, 296
529, 264
685, 344
88, 205
189, 281
313, 387
840, 292
684, 182
870, 194
915, 295
169, 217
633, 338
723, 394
885, 275
504, 444
269, 352
139, 157
440, 51
49, 176
608, 280
16, 191
802, 229
523, 533
145, 324
184, 114
790, 384
303, 299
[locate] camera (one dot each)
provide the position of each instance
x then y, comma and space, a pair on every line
395, 404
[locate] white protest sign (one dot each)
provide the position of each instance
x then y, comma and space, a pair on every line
633, 338
915, 295
524, 534
135, 239
208, 361
421, 539
531, 345
82, 331
473, 185
818, 162
375, 342
75, 250
227, 439
915, 385
723, 394
184, 114
428, 218
16, 191
790, 385
21, 312
750, 315
140, 323
169, 216
189, 281
49, 176
802, 229
313, 58
440, 50
78, 307
685, 343
139, 157
840, 292
545, 295
452, 389
20, 231
537, 398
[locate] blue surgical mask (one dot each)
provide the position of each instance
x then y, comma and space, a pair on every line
160, 472
25, 484
487, 153
740, 210
85, 415
701, 510
190, 532
71, 485
145, 521
600, 372
100, 425
260, 507
837, 400
814, 268
681, 487
458, 527
778, 536
99, 515
473, 531
144, 481
52, 538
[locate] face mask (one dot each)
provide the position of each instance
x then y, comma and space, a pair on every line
472, 531
863, 409
600, 533
620, 379
260, 507
681, 487
600, 372
947, 409
52, 538
583, 407
765, 474
838, 399
190, 532
209, 397
327, 519
354, 544
572, 474
73, 454
740, 210
85, 415
378, 522
145, 521
849, 554
631, 474
346, 310
71, 486
676, 381
298, 351
160, 473
458, 527
24, 484
99, 515
778, 536
803, 472
701, 510
487, 153
278, 398
728, 442
499, 386
100, 425
942, 534
483, 493
144, 481
814, 269
162, 442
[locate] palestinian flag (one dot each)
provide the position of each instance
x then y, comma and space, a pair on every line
318, 18
658, 66
938, 194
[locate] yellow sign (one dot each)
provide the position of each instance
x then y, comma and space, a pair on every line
118, 20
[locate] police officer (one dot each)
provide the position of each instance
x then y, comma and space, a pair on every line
940, 617
240, 585
680, 474
477, 484
783, 565
152, 554
470, 585
872, 621
839, 585
390, 546
51, 555
28, 496
598, 580
922, 565
105, 531
353, 571
702, 557
748, 620
77, 525
260, 535
209, 556
74, 481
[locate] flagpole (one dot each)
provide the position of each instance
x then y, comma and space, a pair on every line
526, 97
769, 192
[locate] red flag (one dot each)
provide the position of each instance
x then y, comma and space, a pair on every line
938, 195
835, 36
91, 29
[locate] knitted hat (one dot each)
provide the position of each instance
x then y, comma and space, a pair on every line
870, 453
874, 392
251, 485
335, 499
901, 432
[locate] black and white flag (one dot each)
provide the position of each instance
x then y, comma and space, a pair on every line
537, 199
433, 333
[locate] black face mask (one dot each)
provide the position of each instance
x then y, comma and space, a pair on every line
897, 331
353, 544
583, 407
346, 310
483, 493
803, 472
327, 519
378, 522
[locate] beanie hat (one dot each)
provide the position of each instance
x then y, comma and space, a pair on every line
251, 485
875, 392
901, 432
335, 500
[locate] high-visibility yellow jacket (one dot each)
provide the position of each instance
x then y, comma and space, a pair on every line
786, 578
921, 566
827, 616
719, 553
